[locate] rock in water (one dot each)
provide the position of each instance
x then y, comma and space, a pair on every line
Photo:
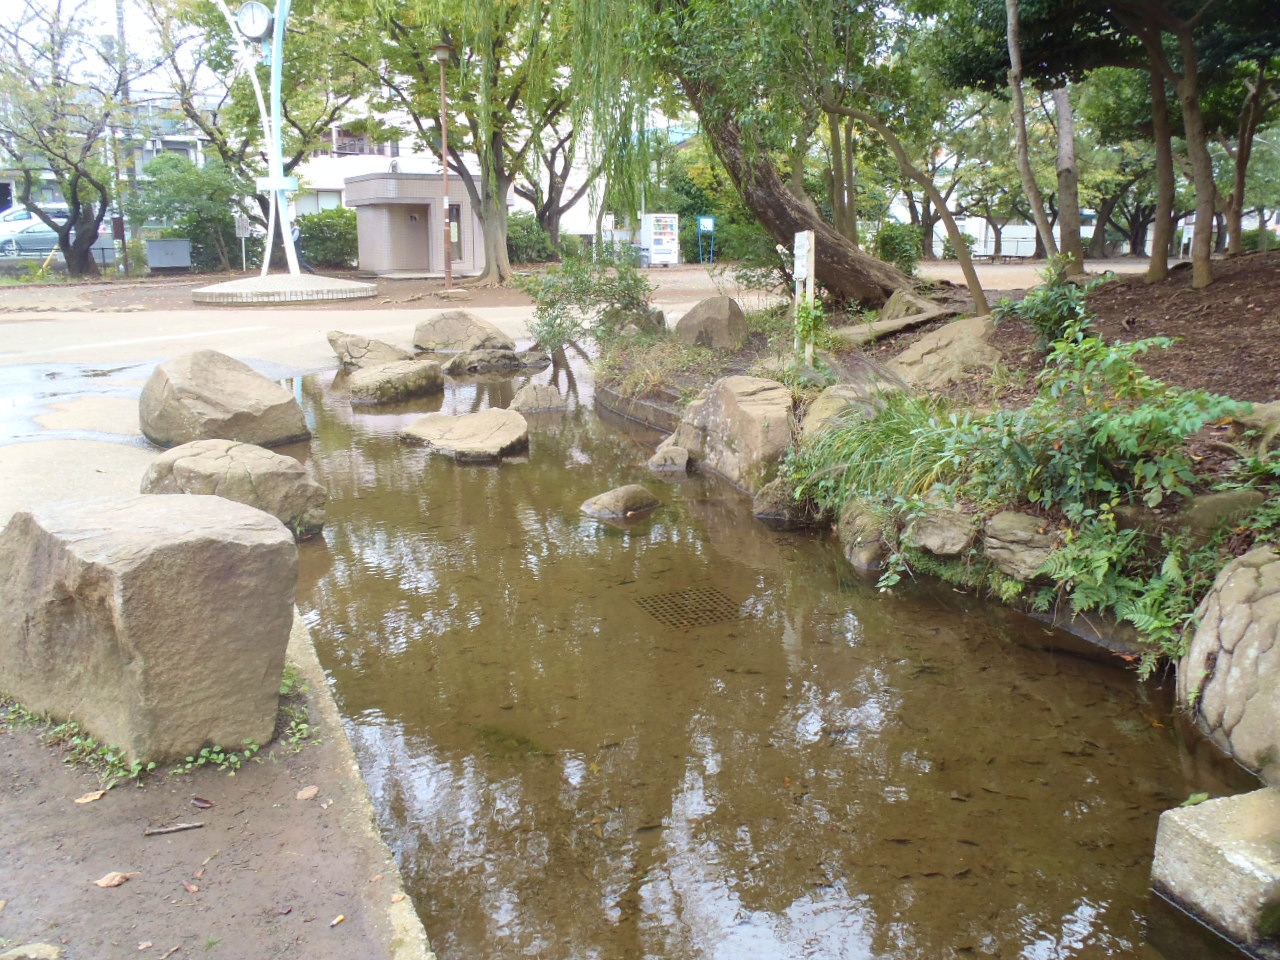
207, 395
245, 473
391, 382
487, 435
621, 503
354, 350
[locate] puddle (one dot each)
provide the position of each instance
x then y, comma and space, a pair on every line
769, 760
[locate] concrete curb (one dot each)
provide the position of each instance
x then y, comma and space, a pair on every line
405, 935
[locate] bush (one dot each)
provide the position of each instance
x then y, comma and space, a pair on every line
1251, 240
899, 244
212, 238
1051, 308
527, 240
949, 248
329, 238
585, 296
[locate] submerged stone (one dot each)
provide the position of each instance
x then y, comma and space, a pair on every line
487, 435
622, 503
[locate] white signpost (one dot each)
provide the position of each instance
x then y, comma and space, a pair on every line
802, 272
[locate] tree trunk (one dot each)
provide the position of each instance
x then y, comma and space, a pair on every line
493, 218
1029, 185
1251, 113
1201, 163
1219, 232
1098, 242
931, 190
1068, 184
1166, 183
848, 274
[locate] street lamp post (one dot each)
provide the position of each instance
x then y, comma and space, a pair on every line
443, 52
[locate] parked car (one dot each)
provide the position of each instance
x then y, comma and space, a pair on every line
32, 241
19, 218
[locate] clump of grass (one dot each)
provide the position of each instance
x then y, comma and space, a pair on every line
653, 365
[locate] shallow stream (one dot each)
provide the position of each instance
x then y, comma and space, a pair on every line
701, 738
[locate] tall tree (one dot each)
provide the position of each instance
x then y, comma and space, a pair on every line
61, 89
1030, 189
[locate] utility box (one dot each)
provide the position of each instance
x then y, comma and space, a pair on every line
659, 239
172, 254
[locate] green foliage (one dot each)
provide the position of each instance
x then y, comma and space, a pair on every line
1099, 430
899, 244
527, 241
78, 747
901, 452
1051, 308
810, 320
585, 296
197, 202
216, 756
212, 238
949, 248
329, 238
291, 681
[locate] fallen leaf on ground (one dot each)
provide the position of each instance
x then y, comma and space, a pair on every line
399, 898
114, 879
337, 920
91, 796
308, 793
375, 878
199, 873
190, 887
284, 909
145, 945
202, 803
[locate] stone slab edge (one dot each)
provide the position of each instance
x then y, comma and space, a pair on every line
651, 413
408, 938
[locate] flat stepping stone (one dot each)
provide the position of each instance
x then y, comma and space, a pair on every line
538, 398
391, 382
487, 435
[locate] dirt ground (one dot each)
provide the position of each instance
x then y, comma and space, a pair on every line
266, 875
269, 874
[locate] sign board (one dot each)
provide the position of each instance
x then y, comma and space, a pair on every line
804, 255
242, 226
706, 224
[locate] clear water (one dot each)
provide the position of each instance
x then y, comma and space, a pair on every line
833, 773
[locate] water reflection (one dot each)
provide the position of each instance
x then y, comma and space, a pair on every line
834, 774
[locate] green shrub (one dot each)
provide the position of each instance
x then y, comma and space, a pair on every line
527, 240
1251, 240
212, 237
329, 238
899, 244
586, 296
1051, 308
949, 248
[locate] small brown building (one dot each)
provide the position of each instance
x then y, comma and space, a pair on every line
400, 225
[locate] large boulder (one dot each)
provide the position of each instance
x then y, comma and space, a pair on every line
245, 473
487, 435
739, 428
1229, 678
944, 531
841, 405
1017, 544
459, 330
392, 382
948, 354
208, 395
159, 623
354, 350
621, 503
717, 322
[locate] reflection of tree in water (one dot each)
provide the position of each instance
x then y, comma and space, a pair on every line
560, 366
492, 391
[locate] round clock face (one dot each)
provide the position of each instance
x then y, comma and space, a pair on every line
254, 20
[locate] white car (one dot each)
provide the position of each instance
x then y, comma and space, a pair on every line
18, 217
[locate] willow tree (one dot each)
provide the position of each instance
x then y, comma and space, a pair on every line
513, 89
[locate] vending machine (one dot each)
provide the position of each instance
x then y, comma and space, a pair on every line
659, 239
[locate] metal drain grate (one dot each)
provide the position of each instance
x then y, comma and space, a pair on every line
690, 608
